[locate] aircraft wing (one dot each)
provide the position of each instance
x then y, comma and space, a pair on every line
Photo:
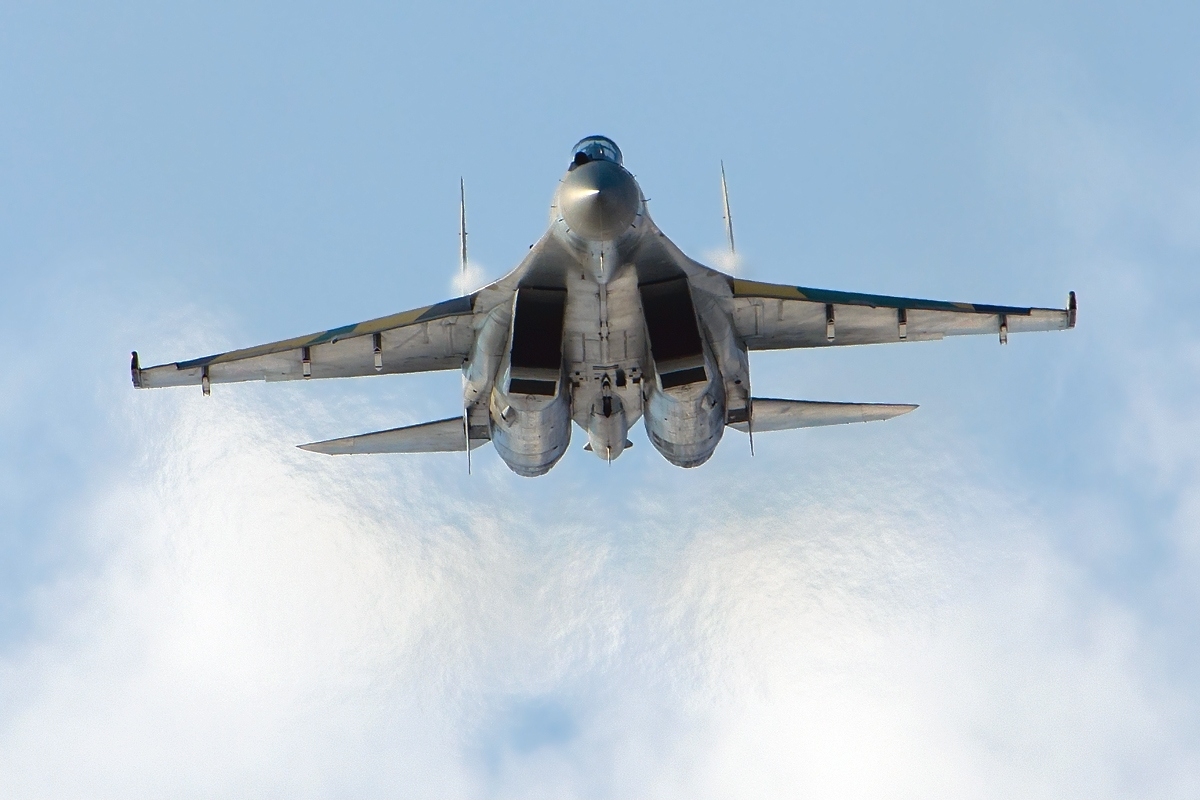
770, 316
432, 338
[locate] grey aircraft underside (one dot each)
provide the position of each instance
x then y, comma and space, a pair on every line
604, 322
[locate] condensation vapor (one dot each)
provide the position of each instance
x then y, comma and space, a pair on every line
468, 280
725, 260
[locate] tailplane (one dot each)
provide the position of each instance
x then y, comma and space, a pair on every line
782, 415
443, 436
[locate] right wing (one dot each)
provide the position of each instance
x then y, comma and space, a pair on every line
771, 316
432, 338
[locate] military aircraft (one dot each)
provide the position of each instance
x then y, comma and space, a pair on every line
603, 322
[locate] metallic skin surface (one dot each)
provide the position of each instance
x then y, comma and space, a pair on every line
443, 436
599, 200
531, 433
605, 321
607, 425
786, 415
685, 423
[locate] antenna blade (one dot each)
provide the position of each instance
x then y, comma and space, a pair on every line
728, 216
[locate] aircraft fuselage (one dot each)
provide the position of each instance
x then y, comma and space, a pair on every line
579, 346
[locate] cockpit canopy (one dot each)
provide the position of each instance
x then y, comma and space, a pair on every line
595, 148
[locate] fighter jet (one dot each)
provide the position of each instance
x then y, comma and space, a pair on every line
605, 321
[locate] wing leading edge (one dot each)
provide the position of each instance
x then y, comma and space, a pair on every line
431, 338
772, 316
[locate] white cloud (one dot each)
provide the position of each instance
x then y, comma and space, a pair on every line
255, 621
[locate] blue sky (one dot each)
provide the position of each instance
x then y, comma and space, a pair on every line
992, 597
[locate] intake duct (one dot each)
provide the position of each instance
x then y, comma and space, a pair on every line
535, 364
675, 342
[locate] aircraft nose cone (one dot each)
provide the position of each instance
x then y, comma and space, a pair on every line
599, 200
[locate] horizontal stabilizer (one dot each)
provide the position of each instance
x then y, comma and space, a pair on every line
783, 415
443, 436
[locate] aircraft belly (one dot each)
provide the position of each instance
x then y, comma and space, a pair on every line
604, 346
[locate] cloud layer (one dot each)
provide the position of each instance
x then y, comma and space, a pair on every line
253, 621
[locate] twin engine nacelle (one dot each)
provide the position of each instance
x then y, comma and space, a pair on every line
532, 432
529, 408
529, 403
685, 422
685, 401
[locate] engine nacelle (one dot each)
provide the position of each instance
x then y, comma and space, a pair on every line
685, 396
530, 432
480, 370
685, 423
529, 408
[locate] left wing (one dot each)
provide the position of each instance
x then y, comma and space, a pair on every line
432, 338
770, 316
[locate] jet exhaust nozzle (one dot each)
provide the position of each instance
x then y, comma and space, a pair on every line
599, 200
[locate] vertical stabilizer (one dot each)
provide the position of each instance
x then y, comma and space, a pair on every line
728, 216
462, 228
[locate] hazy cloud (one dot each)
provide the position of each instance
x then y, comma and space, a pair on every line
254, 620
